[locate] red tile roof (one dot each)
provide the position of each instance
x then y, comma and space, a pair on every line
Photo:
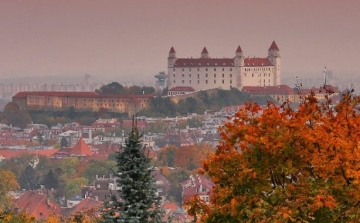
204, 50
204, 62
238, 50
172, 50
37, 205
273, 46
86, 204
81, 148
269, 90
249, 62
182, 89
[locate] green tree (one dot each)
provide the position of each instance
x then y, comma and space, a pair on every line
99, 168
112, 88
64, 142
15, 116
74, 186
40, 138
138, 201
50, 180
175, 178
69, 165
29, 179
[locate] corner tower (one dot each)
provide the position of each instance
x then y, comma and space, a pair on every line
172, 57
239, 57
275, 60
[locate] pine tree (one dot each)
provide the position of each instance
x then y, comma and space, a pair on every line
51, 180
138, 201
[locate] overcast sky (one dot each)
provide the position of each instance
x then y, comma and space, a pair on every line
130, 40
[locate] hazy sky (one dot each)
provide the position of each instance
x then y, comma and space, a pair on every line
130, 40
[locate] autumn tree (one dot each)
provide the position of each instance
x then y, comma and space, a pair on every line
277, 164
8, 183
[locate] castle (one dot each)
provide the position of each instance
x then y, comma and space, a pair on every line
225, 73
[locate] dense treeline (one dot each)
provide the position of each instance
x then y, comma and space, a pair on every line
116, 88
165, 107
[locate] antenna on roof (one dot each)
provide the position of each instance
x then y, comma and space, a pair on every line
325, 76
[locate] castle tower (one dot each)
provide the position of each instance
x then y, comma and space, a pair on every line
172, 57
204, 53
275, 59
239, 57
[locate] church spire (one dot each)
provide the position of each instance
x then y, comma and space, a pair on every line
204, 53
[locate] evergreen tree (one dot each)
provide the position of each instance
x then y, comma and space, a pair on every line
51, 180
64, 142
138, 201
28, 179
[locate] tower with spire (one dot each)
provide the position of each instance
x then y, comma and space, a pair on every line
204, 53
275, 60
239, 57
172, 57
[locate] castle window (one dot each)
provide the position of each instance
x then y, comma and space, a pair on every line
206, 69
214, 81
230, 81
214, 75
198, 81
252, 75
174, 75
198, 75
182, 69
189, 69
222, 75
198, 69
173, 69
189, 75
189, 81
231, 75
223, 69
174, 81
215, 68
206, 75
223, 81
183, 81
231, 68
206, 81
183, 75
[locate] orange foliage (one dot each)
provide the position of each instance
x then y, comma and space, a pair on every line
278, 164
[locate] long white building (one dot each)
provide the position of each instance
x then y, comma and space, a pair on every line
206, 73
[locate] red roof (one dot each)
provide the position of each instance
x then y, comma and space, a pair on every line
182, 89
204, 50
86, 204
249, 62
204, 62
269, 90
238, 50
37, 205
172, 50
81, 148
274, 46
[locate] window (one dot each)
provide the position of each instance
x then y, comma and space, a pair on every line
183, 75
214, 75
198, 81
215, 68
214, 81
189, 69
182, 69
198, 69
223, 75
174, 81
230, 81
252, 75
183, 81
206, 69
174, 75
223, 69
174, 69
189, 81
230, 69
206, 75
231, 75
206, 81
198, 75
189, 75
223, 81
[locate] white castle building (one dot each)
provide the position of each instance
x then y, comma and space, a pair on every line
225, 73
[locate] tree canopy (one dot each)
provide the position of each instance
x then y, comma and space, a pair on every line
277, 164
116, 88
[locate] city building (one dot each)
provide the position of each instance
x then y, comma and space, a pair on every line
82, 101
207, 73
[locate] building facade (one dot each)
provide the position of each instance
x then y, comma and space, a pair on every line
82, 101
206, 73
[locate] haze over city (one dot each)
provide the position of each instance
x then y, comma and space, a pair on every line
130, 40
